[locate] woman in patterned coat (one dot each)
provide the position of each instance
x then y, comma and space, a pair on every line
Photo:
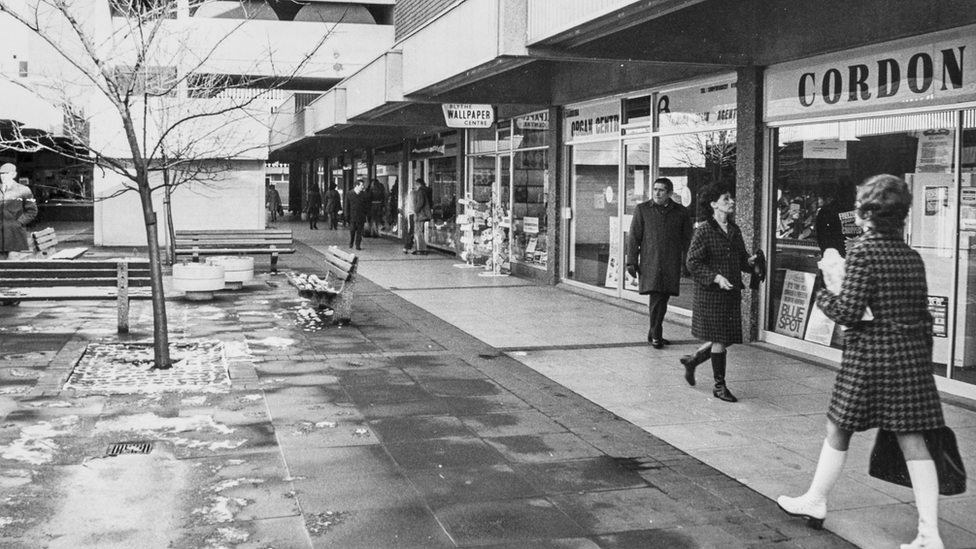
886, 378
716, 259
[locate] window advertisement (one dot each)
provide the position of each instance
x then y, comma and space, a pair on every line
698, 108
816, 169
594, 222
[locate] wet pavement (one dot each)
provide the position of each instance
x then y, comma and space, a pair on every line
428, 422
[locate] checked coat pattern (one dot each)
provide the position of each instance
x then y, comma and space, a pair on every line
716, 313
885, 378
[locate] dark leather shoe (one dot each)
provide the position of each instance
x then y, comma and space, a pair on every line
657, 343
723, 393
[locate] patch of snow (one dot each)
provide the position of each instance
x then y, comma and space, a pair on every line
151, 422
36, 445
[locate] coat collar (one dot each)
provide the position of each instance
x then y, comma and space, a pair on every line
667, 206
714, 225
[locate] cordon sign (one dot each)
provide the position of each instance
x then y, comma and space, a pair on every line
464, 115
921, 71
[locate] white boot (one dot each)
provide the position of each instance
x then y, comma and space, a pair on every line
813, 504
925, 484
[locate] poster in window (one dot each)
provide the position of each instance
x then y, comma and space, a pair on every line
934, 152
794, 307
613, 274
967, 209
830, 149
939, 308
820, 329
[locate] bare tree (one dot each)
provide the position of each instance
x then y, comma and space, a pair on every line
145, 89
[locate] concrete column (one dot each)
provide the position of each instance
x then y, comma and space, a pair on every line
554, 220
750, 153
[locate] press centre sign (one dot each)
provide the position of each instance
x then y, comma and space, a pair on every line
932, 70
463, 115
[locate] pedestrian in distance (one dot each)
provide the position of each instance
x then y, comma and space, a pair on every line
423, 212
377, 199
717, 257
333, 203
273, 201
314, 207
17, 209
411, 221
885, 379
660, 234
357, 206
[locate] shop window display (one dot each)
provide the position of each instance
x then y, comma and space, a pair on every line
816, 170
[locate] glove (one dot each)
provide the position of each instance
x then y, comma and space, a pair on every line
632, 271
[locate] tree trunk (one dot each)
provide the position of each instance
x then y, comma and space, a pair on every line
161, 356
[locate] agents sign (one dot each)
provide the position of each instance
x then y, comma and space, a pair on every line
463, 115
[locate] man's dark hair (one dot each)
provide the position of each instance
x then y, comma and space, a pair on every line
664, 181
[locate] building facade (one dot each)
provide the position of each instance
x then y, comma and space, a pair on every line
594, 99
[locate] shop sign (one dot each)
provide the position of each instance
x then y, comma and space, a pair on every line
530, 225
534, 122
794, 305
433, 150
916, 72
598, 120
698, 107
465, 115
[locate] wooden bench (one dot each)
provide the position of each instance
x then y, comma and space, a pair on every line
235, 242
44, 242
337, 289
66, 280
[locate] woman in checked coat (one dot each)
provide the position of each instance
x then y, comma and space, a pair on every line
716, 259
886, 378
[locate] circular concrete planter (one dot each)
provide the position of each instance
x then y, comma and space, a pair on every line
237, 269
198, 280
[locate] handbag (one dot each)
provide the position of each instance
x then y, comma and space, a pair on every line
888, 462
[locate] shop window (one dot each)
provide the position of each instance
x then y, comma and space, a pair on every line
444, 188
692, 161
529, 201
637, 110
482, 140
816, 170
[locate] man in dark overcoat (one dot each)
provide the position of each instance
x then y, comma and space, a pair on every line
660, 233
358, 205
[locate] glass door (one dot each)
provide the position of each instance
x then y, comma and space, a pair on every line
594, 184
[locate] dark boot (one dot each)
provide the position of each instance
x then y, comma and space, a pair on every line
721, 392
692, 361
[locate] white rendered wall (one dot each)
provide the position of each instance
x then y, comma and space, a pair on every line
235, 202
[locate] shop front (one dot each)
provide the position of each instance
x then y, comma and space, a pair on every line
386, 169
435, 160
906, 108
504, 208
615, 148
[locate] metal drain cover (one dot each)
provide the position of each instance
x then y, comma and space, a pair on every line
124, 448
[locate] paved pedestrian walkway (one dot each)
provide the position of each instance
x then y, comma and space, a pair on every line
455, 411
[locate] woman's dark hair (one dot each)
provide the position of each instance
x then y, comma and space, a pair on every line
708, 194
884, 200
